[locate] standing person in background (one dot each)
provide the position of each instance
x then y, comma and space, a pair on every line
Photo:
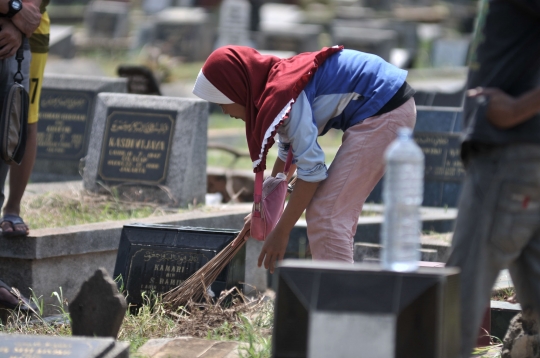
12, 224
498, 223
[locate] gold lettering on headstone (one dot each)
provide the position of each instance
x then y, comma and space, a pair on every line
442, 155
62, 124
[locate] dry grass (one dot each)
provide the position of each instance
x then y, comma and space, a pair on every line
75, 207
240, 319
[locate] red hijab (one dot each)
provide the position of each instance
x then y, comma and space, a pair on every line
266, 85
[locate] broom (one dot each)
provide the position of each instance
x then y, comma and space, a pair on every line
195, 287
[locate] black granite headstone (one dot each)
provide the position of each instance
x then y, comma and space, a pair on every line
327, 309
65, 123
32, 346
141, 80
159, 258
136, 146
64, 119
437, 132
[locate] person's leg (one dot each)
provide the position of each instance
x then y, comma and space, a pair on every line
8, 224
20, 174
332, 215
523, 218
488, 236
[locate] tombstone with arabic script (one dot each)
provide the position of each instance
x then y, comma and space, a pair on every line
65, 119
149, 148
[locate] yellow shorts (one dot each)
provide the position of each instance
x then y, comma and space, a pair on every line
39, 45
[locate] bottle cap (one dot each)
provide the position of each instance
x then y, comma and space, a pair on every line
405, 132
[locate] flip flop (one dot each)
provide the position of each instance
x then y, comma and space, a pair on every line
24, 304
14, 220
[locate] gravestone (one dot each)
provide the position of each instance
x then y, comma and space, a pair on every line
151, 7
297, 38
371, 40
437, 132
61, 41
33, 346
407, 40
98, 309
450, 52
184, 32
158, 258
65, 120
150, 148
140, 79
234, 23
107, 19
282, 29
330, 309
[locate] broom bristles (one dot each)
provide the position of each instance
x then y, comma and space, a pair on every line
194, 288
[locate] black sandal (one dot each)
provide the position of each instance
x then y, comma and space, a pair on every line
14, 220
24, 303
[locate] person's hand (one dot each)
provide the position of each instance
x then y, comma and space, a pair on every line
27, 20
245, 232
273, 249
10, 39
501, 109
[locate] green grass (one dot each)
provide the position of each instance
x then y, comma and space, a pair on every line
246, 321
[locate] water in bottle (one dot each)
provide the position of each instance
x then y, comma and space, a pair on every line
402, 194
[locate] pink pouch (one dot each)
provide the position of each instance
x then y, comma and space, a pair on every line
268, 201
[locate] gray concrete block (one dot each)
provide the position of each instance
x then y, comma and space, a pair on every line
184, 170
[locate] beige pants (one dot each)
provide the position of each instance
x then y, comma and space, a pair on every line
332, 215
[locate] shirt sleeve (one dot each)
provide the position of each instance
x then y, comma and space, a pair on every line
300, 131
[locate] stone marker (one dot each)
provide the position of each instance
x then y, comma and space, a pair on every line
98, 309
371, 40
107, 19
32, 346
140, 79
150, 147
330, 309
296, 38
437, 133
65, 119
450, 52
61, 42
185, 32
234, 23
159, 258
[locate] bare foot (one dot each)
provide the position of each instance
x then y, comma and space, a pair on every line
512, 299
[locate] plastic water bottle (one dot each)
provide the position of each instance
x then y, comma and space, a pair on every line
403, 192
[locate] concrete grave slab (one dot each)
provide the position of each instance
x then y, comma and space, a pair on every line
15, 345
65, 120
66, 257
188, 347
149, 147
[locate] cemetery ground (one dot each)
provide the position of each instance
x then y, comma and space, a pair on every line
247, 321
